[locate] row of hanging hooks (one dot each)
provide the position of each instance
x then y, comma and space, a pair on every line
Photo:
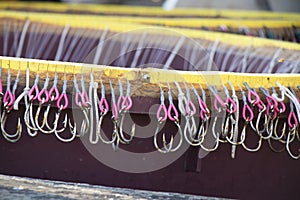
88, 101
260, 111
237, 118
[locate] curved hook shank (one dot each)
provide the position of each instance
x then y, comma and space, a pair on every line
8, 136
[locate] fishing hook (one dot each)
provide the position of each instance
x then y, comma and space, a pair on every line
167, 115
104, 108
82, 101
124, 105
8, 100
61, 107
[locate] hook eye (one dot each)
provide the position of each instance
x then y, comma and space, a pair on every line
256, 99
127, 103
40, 95
162, 113
232, 102
103, 105
203, 106
217, 101
56, 93
292, 116
190, 108
64, 97
170, 109
34, 89
246, 109
8, 98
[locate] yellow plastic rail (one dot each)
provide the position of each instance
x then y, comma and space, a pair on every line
147, 11
147, 76
94, 22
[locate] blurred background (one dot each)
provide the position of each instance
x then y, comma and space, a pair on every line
268, 5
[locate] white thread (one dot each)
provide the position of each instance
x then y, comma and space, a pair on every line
23, 34
61, 43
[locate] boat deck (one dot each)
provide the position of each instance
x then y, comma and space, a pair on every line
13, 187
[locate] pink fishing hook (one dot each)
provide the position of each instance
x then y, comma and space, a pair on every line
55, 96
246, 109
120, 102
170, 109
202, 115
220, 101
127, 103
190, 108
81, 99
256, 99
124, 102
33, 89
202, 106
204, 111
162, 113
261, 105
8, 98
292, 116
232, 102
283, 107
85, 99
63, 96
40, 95
272, 104
84, 96
77, 97
103, 105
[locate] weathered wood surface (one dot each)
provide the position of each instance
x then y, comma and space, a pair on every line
12, 187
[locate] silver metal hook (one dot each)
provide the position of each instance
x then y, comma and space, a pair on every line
235, 130
58, 114
123, 139
243, 138
65, 122
217, 141
7, 108
8, 136
102, 114
167, 147
42, 102
28, 115
81, 104
190, 132
114, 136
293, 131
94, 108
122, 113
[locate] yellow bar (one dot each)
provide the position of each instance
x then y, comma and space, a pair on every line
101, 21
149, 76
197, 23
148, 11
